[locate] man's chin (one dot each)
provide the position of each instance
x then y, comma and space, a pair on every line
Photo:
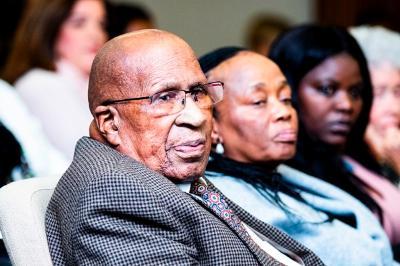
185, 171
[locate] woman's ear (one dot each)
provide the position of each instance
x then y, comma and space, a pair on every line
215, 133
108, 122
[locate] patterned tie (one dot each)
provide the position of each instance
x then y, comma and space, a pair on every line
216, 202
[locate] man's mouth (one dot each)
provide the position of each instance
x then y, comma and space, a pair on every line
190, 149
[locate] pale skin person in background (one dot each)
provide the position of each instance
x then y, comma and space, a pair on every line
82, 34
381, 47
383, 131
51, 70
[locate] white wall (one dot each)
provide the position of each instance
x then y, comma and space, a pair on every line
209, 24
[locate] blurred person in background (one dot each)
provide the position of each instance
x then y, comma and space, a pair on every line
256, 126
382, 49
50, 62
262, 31
25, 144
124, 18
25, 150
332, 93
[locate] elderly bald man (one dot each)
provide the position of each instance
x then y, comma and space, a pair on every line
118, 203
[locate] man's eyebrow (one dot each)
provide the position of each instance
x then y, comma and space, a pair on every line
194, 85
167, 86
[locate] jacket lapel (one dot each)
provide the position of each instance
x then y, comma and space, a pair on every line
261, 256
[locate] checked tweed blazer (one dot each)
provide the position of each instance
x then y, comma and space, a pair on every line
108, 209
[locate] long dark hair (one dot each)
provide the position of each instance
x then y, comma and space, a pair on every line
298, 51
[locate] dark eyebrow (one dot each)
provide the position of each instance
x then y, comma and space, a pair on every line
194, 85
330, 80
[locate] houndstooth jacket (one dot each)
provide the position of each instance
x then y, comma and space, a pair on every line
108, 209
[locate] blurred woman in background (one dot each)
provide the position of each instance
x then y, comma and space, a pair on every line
382, 49
50, 64
332, 93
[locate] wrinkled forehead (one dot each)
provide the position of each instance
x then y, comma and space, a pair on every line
168, 67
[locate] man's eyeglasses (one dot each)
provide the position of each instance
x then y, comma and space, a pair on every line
173, 101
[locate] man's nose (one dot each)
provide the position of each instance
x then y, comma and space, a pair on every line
191, 114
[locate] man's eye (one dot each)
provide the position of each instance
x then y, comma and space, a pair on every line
198, 92
327, 90
165, 96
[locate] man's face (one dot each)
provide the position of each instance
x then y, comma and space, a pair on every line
175, 145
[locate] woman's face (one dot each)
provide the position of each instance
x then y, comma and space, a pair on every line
256, 121
385, 111
82, 34
330, 100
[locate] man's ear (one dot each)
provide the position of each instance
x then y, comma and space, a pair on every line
108, 122
215, 133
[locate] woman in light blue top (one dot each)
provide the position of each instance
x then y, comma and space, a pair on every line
255, 130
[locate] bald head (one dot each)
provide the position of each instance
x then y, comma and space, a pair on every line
122, 67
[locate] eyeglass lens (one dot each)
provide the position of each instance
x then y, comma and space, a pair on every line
171, 102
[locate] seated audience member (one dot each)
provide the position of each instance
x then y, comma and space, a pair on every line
332, 93
50, 63
36, 156
124, 18
382, 50
118, 203
257, 127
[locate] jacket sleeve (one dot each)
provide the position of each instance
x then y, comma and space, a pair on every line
121, 222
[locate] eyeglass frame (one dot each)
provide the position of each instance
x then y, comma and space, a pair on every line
109, 102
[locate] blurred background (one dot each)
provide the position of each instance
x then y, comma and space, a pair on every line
207, 24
